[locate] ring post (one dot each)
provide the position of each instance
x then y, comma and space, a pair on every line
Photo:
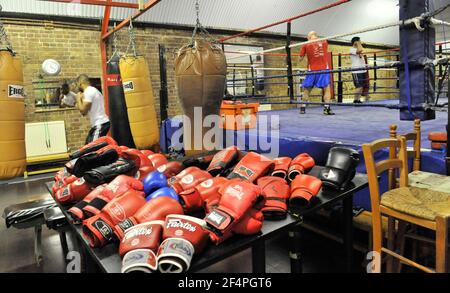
289, 63
163, 92
375, 72
440, 56
340, 82
253, 76
398, 72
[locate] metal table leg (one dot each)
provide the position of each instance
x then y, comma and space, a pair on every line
348, 231
295, 252
38, 244
259, 257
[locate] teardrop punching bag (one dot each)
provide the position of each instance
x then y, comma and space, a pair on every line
140, 101
118, 115
200, 71
12, 117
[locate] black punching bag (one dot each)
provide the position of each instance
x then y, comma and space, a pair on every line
118, 114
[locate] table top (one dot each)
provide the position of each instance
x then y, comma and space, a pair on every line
109, 260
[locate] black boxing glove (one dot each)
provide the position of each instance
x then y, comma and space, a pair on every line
340, 168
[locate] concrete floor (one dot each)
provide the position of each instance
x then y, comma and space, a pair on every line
17, 246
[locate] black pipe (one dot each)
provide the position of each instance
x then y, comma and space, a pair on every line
253, 76
398, 73
375, 73
340, 82
163, 92
289, 63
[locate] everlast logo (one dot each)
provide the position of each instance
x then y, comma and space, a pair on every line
246, 172
177, 223
128, 86
15, 91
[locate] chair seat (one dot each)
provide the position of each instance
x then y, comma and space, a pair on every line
419, 202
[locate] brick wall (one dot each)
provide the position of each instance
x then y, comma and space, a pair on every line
77, 49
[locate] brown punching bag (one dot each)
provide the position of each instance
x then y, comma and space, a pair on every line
200, 71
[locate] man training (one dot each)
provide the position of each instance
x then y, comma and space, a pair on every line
360, 77
90, 102
317, 60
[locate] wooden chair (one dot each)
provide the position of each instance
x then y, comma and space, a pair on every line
422, 207
415, 153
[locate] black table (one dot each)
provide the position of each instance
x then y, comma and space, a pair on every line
108, 260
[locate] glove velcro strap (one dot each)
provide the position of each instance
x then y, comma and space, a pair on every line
99, 231
139, 260
175, 255
97, 203
124, 225
218, 221
275, 203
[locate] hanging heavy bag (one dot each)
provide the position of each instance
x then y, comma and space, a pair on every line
12, 116
140, 101
200, 71
118, 114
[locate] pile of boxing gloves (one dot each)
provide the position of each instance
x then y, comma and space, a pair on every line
163, 213
438, 141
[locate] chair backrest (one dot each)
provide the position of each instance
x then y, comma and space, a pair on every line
416, 138
398, 162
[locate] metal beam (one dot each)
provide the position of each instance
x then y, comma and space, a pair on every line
99, 3
124, 23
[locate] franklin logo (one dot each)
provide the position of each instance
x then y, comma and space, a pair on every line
15, 91
117, 212
128, 86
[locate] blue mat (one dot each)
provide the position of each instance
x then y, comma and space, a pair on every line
315, 134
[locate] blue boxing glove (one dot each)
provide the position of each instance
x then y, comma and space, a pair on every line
165, 191
154, 181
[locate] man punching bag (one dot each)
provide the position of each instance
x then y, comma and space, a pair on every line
200, 71
118, 115
12, 116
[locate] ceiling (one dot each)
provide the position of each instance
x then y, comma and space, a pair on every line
247, 14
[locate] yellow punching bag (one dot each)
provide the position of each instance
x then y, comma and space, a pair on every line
12, 117
140, 101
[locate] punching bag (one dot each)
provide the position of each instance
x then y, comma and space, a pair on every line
200, 72
140, 101
118, 115
12, 117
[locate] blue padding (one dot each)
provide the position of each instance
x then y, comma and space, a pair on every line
315, 134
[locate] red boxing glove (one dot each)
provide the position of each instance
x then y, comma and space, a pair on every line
236, 201
188, 179
114, 189
276, 192
303, 189
203, 195
157, 160
77, 210
252, 167
74, 192
184, 237
223, 161
301, 164
99, 229
171, 169
63, 182
93, 146
281, 167
139, 247
156, 209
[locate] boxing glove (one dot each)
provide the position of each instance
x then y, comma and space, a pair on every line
250, 224
281, 167
223, 161
99, 229
237, 199
61, 174
93, 146
63, 182
74, 192
116, 188
139, 247
201, 162
188, 178
156, 209
204, 195
102, 157
171, 169
147, 152
438, 140
340, 168
165, 191
157, 160
105, 174
276, 192
183, 237
76, 211
154, 181
252, 167
301, 164
303, 189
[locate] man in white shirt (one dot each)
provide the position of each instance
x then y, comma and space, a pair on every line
68, 97
91, 102
360, 77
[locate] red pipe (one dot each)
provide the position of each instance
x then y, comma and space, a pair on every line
285, 21
104, 57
